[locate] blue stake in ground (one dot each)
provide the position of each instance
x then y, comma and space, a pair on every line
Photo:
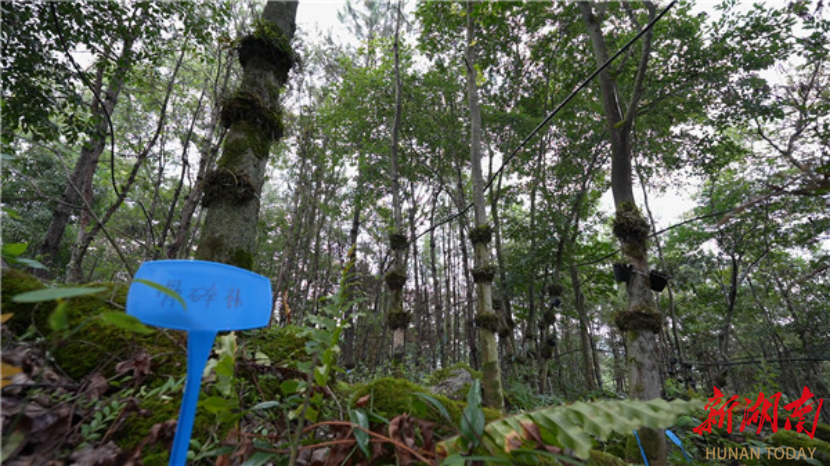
209, 298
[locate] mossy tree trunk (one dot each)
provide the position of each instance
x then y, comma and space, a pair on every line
640, 321
484, 270
396, 317
254, 121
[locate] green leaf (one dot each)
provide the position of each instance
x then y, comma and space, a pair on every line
34, 264
14, 249
437, 404
59, 319
472, 424
45, 295
12, 213
266, 405
125, 322
455, 459
311, 414
165, 290
474, 394
289, 387
574, 426
359, 418
216, 405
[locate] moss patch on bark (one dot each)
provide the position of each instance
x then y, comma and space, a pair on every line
246, 136
395, 279
639, 319
225, 186
248, 107
398, 319
488, 320
484, 274
398, 241
481, 234
555, 289
632, 230
270, 45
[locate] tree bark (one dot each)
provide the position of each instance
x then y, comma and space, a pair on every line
579, 306
253, 118
74, 271
486, 319
397, 318
80, 182
640, 320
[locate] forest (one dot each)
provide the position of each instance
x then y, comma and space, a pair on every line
496, 233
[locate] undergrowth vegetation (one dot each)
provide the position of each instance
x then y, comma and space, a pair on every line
277, 395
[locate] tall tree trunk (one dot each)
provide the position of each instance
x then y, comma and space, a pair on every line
79, 186
436, 294
506, 323
349, 332
253, 118
171, 211
579, 306
396, 317
208, 151
469, 308
484, 272
641, 320
85, 237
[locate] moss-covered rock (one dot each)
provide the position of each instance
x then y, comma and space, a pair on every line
800, 443
392, 397
92, 345
16, 282
282, 345
153, 411
443, 374
598, 457
822, 431
453, 382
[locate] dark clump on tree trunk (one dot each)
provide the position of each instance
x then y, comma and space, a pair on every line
639, 319
489, 321
225, 185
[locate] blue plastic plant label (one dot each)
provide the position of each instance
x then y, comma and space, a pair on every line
218, 297
209, 297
